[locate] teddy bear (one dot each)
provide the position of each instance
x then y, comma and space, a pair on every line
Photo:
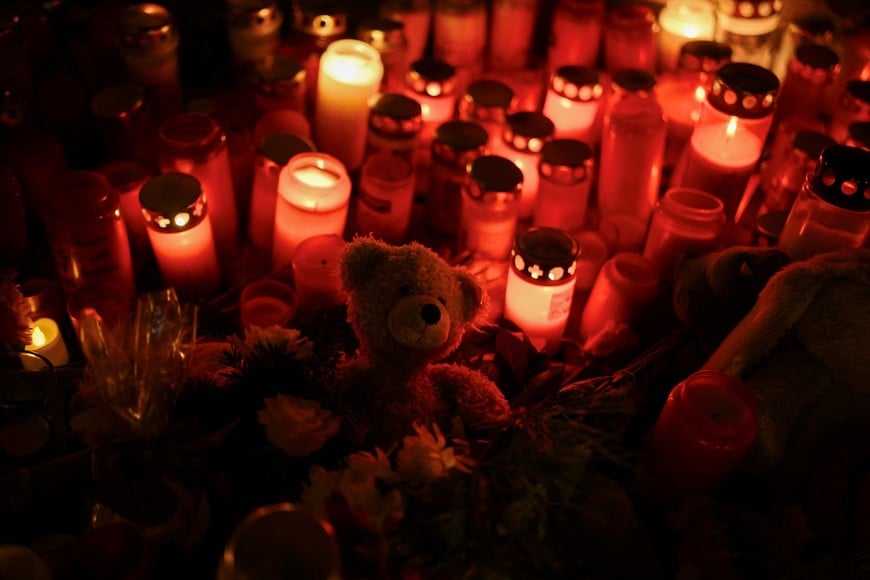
410, 309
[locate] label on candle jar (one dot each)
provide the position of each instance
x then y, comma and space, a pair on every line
560, 304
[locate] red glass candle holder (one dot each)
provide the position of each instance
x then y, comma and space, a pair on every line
630, 39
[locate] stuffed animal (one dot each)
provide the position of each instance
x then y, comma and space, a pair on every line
802, 350
409, 309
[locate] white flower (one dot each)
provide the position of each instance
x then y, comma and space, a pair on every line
299, 427
425, 457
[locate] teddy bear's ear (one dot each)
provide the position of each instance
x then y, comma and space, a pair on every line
359, 259
473, 297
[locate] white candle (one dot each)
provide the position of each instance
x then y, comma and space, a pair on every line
350, 74
313, 196
181, 235
317, 272
679, 22
45, 340
572, 102
540, 285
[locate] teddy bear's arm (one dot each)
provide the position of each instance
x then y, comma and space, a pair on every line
479, 402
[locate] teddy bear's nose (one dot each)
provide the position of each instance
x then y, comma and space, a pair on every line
430, 314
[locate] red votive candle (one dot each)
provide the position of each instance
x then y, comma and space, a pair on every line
487, 102
704, 430
317, 272
395, 122
416, 18
810, 73
565, 176
630, 39
386, 193
266, 303
575, 33
387, 36
512, 27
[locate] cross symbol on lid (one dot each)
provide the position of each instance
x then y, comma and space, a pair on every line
163, 222
535, 272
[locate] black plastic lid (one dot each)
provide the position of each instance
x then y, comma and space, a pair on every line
842, 177
461, 135
281, 77
749, 8
396, 115
172, 202
566, 160
527, 131
491, 173
545, 255
432, 77
489, 94
704, 55
254, 15
744, 90
634, 80
859, 91
385, 34
280, 147
816, 28
578, 83
811, 143
815, 62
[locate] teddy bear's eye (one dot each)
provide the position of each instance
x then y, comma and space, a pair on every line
442, 301
405, 290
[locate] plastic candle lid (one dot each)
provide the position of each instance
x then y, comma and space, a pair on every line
566, 160
545, 255
432, 77
172, 202
744, 90
148, 28
749, 9
280, 147
859, 134
280, 77
704, 55
815, 62
384, 34
323, 18
487, 99
527, 131
633, 80
578, 83
858, 92
396, 115
491, 173
842, 177
459, 141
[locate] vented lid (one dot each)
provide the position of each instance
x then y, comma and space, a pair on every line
578, 83
280, 147
493, 174
455, 138
323, 18
744, 90
148, 28
704, 55
260, 17
432, 77
527, 131
384, 34
172, 202
566, 161
487, 100
632, 80
842, 177
545, 255
818, 64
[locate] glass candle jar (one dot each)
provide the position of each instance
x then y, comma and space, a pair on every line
149, 44
350, 74
254, 29
853, 106
195, 144
179, 228
512, 28
432, 83
82, 217
729, 137
273, 154
313, 197
416, 18
810, 73
127, 127
521, 141
487, 102
682, 21
682, 93
750, 28
317, 272
813, 29
565, 177
832, 210
794, 154
456, 145
387, 36
490, 199
573, 101
395, 122
540, 285
281, 84
575, 33
625, 286
630, 38
128, 177
13, 224
459, 36
266, 302
386, 193
632, 154
706, 426
685, 222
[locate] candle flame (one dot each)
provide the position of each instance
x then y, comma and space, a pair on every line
732, 127
700, 94
37, 338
